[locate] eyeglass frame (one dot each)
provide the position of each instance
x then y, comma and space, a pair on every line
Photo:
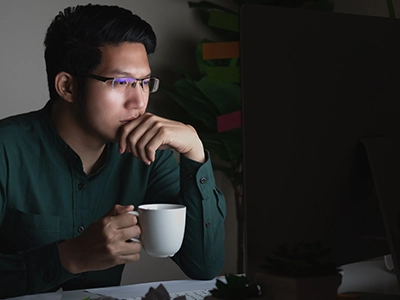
140, 80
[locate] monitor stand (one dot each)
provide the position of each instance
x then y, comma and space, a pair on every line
383, 156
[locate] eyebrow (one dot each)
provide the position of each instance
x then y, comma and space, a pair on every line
126, 74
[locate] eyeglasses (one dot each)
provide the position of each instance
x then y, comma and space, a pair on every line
120, 84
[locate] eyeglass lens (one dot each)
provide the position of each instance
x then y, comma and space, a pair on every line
149, 85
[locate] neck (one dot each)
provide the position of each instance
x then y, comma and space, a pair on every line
88, 147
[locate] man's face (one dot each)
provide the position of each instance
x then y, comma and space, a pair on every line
106, 109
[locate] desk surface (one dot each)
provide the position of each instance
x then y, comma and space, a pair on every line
140, 290
370, 279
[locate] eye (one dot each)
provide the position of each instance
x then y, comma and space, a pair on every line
146, 81
123, 80
120, 81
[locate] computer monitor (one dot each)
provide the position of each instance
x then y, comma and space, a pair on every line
314, 84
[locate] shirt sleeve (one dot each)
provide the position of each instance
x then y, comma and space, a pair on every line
202, 253
32, 271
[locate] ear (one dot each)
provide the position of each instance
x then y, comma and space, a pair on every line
65, 86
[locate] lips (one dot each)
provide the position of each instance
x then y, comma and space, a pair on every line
128, 120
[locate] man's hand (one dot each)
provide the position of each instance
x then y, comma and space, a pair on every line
144, 135
103, 244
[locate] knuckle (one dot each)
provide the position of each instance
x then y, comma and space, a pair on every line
105, 222
158, 124
150, 148
110, 249
131, 137
124, 131
191, 127
136, 257
138, 230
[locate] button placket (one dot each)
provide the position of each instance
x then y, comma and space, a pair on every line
46, 276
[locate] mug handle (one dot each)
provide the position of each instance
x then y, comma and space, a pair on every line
136, 240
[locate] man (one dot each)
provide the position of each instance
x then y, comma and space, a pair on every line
71, 171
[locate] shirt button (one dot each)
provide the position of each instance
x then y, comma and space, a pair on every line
81, 186
81, 229
208, 224
203, 180
45, 276
190, 176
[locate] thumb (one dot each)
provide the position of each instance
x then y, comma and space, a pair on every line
119, 210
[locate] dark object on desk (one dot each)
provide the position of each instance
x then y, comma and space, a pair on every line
300, 260
237, 287
299, 272
160, 293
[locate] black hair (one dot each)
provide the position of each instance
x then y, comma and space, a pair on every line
75, 35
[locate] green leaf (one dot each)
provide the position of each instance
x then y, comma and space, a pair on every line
391, 11
224, 95
224, 20
226, 145
196, 109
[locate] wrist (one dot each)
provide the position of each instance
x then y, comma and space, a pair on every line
196, 155
67, 255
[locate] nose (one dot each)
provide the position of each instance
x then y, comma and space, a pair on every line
136, 98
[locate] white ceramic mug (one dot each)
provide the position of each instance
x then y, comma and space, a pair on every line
162, 226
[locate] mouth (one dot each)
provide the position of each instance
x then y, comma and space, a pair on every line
128, 120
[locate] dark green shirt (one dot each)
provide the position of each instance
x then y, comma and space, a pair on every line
46, 197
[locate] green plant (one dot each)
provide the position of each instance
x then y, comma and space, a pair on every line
201, 100
391, 9
300, 260
237, 287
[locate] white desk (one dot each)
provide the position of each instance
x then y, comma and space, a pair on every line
125, 291
140, 290
371, 279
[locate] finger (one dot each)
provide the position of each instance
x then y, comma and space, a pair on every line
130, 232
130, 258
128, 252
119, 209
120, 221
145, 148
139, 136
124, 131
148, 146
122, 209
121, 140
137, 139
153, 136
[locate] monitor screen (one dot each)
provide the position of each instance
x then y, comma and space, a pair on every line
313, 84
